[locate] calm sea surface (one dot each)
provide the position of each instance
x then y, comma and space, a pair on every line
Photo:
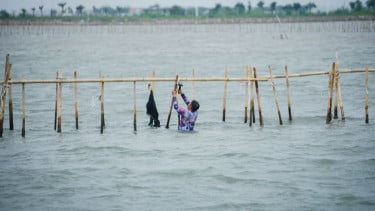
305, 164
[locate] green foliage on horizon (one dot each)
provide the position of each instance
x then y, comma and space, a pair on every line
239, 10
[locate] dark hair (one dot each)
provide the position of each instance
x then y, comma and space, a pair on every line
194, 105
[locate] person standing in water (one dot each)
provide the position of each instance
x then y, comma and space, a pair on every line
187, 116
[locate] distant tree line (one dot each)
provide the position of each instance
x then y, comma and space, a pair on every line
155, 11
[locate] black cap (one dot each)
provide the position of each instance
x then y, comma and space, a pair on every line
194, 105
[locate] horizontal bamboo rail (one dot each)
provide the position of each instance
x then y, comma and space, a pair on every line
139, 79
153, 79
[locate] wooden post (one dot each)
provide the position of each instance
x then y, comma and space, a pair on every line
288, 93
335, 91
23, 111
134, 107
193, 83
335, 88
366, 95
258, 98
76, 100
246, 94
3, 95
338, 91
2, 112
59, 105
102, 122
252, 110
225, 94
275, 95
11, 125
153, 82
330, 93
170, 108
57, 97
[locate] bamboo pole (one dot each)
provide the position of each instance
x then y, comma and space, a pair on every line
212, 79
57, 97
246, 94
225, 94
335, 91
288, 93
170, 108
275, 96
330, 93
258, 98
3, 94
193, 83
252, 110
134, 107
59, 105
137, 79
316, 73
153, 82
23, 111
11, 125
102, 122
76, 100
338, 91
366, 96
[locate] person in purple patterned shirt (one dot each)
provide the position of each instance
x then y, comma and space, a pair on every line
188, 115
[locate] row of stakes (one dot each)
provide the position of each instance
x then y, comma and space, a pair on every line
334, 94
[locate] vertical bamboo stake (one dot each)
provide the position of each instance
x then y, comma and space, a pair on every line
3, 95
330, 93
225, 93
275, 95
134, 107
23, 110
193, 83
252, 110
258, 98
57, 96
11, 126
366, 95
335, 91
102, 123
59, 105
171, 107
338, 91
76, 100
288, 92
246, 94
153, 82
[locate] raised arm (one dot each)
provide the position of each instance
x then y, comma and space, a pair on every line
184, 97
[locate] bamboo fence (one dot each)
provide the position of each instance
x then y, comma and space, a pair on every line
251, 79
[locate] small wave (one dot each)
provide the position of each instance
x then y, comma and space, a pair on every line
367, 203
87, 148
235, 154
326, 161
354, 199
228, 206
176, 173
369, 162
229, 179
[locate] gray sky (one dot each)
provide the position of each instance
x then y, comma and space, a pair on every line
17, 5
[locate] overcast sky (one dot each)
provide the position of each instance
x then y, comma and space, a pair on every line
17, 5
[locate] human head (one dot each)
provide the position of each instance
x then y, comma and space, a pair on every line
194, 105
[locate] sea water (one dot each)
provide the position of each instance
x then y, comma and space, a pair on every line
304, 164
